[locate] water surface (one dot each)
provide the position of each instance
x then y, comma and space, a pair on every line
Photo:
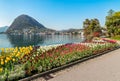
41, 40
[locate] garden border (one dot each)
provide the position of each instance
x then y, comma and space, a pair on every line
66, 65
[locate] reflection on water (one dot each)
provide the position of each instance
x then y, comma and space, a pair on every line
26, 40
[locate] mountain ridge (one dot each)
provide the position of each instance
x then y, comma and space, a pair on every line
26, 23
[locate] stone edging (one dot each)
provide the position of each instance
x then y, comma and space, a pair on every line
66, 65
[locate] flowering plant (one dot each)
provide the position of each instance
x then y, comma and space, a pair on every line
24, 61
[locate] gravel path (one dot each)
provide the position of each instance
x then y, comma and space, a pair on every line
103, 68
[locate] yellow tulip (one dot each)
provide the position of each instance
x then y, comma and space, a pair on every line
6, 61
7, 49
31, 48
18, 54
13, 60
21, 50
8, 58
1, 59
23, 47
1, 69
2, 63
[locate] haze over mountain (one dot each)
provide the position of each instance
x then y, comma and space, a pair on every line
25, 23
3, 29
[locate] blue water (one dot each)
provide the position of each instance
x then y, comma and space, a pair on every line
41, 40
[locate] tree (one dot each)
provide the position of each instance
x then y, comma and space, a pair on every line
91, 28
110, 12
86, 27
113, 23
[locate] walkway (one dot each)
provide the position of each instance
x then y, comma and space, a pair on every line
103, 68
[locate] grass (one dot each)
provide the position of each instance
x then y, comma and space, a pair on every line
117, 37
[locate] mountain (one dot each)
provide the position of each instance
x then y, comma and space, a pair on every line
3, 29
25, 23
72, 30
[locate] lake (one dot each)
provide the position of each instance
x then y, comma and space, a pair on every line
35, 40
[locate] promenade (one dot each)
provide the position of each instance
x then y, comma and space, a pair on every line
103, 68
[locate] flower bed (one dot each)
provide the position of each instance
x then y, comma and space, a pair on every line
17, 63
109, 40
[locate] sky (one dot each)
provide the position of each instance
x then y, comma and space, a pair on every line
57, 14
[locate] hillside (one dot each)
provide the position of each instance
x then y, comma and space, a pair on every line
26, 24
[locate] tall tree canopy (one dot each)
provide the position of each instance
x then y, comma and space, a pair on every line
113, 23
92, 27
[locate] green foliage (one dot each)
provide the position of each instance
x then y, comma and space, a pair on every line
90, 27
41, 59
117, 37
113, 23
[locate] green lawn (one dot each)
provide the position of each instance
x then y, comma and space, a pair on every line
116, 37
